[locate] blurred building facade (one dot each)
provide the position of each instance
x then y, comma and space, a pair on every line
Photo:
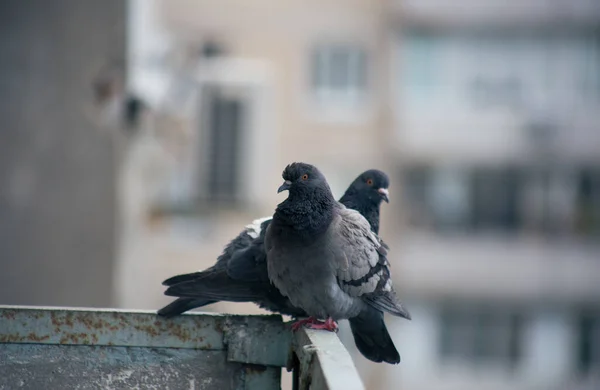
484, 114
499, 141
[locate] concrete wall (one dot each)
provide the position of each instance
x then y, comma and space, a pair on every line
57, 162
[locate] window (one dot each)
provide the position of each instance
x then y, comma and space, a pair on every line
590, 69
419, 56
339, 73
588, 201
225, 120
449, 198
495, 196
588, 349
490, 71
464, 198
416, 191
486, 92
480, 335
563, 200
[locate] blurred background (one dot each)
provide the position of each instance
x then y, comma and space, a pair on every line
138, 137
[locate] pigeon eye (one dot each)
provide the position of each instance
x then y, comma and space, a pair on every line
370, 182
305, 177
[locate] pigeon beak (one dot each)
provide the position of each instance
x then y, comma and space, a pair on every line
384, 194
285, 186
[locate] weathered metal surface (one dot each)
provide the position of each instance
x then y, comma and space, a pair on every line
109, 327
323, 362
258, 340
51, 367
59, 348
261, 377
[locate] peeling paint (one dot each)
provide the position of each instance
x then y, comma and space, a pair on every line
104, 327
111, 349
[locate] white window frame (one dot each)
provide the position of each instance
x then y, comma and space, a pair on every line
349, 95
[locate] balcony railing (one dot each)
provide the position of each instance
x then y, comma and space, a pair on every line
65, 348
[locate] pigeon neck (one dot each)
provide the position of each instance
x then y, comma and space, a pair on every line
307, 215
367, 208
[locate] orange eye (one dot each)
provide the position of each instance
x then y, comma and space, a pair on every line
370, 182
305, 177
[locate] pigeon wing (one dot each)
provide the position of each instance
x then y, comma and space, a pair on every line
362, 267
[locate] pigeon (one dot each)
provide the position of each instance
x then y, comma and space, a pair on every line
326, 260
240, 274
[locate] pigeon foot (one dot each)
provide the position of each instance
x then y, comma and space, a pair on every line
329, 325
307, 321
313, 323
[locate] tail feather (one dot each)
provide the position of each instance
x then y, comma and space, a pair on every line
388, 302
218, 286
186, 277
181, 305
372, 338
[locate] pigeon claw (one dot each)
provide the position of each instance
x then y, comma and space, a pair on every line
313, 323
298, 324
329, 325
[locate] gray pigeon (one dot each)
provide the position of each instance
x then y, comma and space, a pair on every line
240, 274
325, 259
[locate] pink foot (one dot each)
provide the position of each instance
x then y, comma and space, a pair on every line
298, 324
329, 325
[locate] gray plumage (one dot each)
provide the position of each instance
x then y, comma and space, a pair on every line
323, 256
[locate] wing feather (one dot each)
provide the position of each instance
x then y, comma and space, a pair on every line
363, 270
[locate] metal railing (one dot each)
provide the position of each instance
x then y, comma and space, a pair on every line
63, 348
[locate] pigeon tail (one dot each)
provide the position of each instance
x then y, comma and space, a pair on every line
372, 338
186, 277
388, 302
218, 286
181, 305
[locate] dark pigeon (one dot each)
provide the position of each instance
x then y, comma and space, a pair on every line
326, 260
240, 274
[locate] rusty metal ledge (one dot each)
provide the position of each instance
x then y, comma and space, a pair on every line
248, 339
245, 352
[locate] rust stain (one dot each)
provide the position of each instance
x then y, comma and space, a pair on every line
147, 329
98, 324
10, 338
121, 318
75, 338
55, 320
85, 328
89, 323
31, 337
181, 333
34, 337
220, 326
9, 314
69, 319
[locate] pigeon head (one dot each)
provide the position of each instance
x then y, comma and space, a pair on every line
304, 179
365, 195
310, 205
371, 186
